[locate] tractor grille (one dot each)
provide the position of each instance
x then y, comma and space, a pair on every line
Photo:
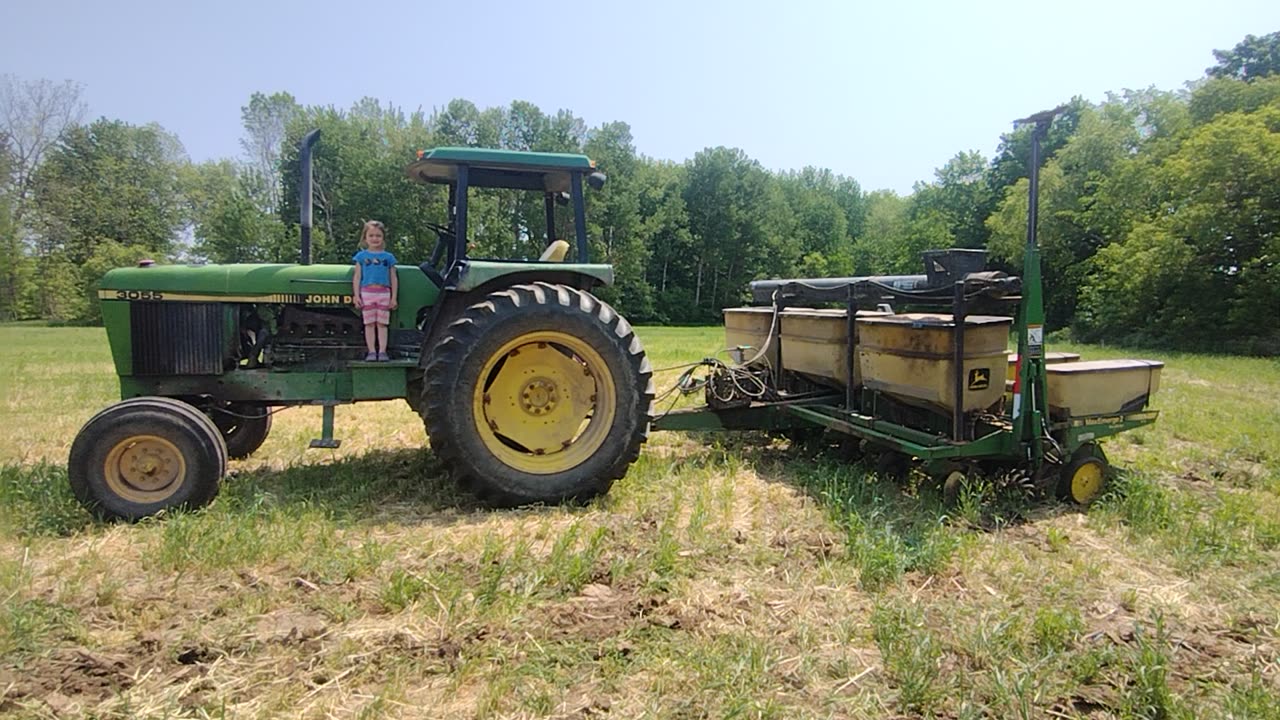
176, 338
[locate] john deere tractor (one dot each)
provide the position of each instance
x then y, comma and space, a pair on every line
530, 387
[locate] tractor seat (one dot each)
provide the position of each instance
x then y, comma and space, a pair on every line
555, 252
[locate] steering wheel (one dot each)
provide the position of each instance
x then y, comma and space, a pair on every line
441, 230
443, 237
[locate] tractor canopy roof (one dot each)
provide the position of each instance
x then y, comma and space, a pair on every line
544, 171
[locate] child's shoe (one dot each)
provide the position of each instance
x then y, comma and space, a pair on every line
383, 357
370, 357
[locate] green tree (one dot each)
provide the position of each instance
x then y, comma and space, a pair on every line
1013, 155
108, 193
820, 227
1218, 96
1079, 213
664, 221
882, 249
1203, 266
959, 197
11, 278
737, 218
1252, 57
228, 219
16, 272
613, 219
110, 181
359, 175
461, 123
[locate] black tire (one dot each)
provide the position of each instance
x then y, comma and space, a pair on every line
466, 379
952, 478
144, 455
804, 440
243, 427
1084, 478
413, 391
893, 465
849, 449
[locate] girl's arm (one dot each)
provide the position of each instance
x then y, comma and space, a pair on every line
355, 287
395, 286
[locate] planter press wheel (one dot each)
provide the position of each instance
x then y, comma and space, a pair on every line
1084, 477
892, 464
144, 455
955, 477
541, 393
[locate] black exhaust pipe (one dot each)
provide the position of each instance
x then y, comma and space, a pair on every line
304, 191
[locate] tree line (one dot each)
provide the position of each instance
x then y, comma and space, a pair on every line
1159, 222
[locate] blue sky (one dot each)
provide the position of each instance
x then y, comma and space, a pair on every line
881, 92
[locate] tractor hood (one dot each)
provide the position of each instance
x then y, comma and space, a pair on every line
229, 282
289, 284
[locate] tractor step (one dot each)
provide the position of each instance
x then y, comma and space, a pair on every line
406, 363
326, 439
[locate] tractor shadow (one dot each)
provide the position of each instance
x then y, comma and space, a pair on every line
406, 486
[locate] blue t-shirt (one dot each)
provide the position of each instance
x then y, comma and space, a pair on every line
375, 267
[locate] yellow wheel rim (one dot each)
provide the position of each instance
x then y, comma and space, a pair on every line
144, 469
1086, 482
544, 403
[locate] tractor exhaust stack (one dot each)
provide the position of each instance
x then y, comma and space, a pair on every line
304, 192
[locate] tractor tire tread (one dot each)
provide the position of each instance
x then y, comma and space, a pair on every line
188, 428
442, 415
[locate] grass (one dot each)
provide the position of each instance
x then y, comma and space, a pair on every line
725, 576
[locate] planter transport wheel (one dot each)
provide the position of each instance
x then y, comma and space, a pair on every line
541, 393
144, 455
1084, 477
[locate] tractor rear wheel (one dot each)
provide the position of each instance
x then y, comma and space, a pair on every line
144, 455
540, 393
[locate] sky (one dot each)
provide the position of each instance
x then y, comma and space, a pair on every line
883, 92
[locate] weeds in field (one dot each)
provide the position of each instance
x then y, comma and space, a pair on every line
1055, 629
911, 656
887, 533
569, 567
1254, 700
724, 576
1148, 694
402, 590
36, 500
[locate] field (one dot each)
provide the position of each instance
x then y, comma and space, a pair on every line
725, 576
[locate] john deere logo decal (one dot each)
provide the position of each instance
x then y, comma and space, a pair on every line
979, 378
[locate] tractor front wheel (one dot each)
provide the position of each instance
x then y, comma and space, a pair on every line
144, 455
540, 393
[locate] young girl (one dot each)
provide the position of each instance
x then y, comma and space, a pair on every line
374, 288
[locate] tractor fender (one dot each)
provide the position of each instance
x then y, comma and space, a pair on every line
454, 301
488, 275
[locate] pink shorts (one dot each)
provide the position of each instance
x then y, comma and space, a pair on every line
376, 305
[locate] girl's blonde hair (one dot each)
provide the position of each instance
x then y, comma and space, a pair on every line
365, 230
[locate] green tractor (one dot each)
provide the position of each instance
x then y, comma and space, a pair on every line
530, 387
